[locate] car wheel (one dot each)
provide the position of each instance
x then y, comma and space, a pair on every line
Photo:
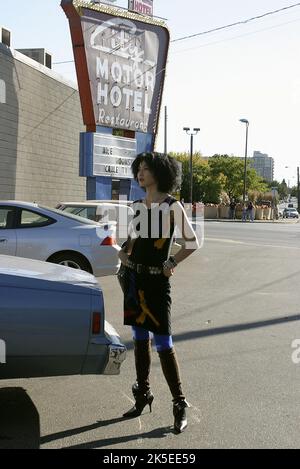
72, 260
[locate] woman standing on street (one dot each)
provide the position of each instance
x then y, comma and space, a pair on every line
147, 300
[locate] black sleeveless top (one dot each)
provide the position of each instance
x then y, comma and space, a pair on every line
147, 298
153, 231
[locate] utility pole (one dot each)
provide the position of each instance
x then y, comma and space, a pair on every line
166, 131
245, 121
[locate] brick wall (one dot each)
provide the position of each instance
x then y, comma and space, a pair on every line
40, 122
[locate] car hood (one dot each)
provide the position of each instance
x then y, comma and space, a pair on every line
19, 267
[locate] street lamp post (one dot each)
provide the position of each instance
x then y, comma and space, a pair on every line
191, 133
245, 121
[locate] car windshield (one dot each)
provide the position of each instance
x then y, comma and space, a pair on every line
70, 215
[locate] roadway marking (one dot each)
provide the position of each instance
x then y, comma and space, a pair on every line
139, 418
232, 241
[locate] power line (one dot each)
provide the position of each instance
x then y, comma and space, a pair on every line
238, 23
57, 108
216, 29
207, 44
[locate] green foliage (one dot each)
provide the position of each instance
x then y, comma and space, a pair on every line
281, 187
205, 188
233, 170
213, 177
294, 191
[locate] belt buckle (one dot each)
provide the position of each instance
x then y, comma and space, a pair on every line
139, 268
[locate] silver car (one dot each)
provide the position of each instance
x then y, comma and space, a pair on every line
117, 214
108, 211
37, 232
52, 322
290, 213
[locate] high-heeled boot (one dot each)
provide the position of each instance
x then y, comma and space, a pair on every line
141, 389
180, 418
171, 372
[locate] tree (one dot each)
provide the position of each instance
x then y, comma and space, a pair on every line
233, 170
294, 191
212, 176
281, 187
206, 187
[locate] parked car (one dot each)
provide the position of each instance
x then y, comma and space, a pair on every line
103, 212
113, 201
290, 213
37, 232
111, 212
52, 322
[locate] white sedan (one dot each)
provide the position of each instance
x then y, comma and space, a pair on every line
36, 232
117, 214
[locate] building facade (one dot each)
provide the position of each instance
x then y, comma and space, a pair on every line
40, 125
263, 164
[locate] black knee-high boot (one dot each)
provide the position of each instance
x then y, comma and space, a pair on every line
171, 372
141, 389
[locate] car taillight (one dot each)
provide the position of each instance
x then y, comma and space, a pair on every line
109, 241
96, 329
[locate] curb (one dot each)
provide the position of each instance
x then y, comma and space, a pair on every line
224, 220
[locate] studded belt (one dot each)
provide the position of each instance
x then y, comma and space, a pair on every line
143, 269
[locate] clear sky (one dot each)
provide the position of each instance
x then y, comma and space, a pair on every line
251, 71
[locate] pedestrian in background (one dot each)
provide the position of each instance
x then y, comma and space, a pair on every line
250, 209
232, 208
244, 213
147, 303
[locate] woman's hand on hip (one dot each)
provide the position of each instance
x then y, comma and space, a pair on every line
168, 272
123, 257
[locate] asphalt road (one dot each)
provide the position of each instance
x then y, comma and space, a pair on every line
236, 313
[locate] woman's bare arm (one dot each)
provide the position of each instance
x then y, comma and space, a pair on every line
188, 234
126, 250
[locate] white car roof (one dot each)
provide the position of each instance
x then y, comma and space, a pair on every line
113, 201
93, 204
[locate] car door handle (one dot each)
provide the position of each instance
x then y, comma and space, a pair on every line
3, 240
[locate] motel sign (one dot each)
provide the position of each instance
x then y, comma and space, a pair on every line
144, 7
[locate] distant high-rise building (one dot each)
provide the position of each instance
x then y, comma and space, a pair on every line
263, 164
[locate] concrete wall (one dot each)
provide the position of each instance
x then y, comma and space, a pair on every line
40, 122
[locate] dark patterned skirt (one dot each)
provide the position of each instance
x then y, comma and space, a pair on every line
147, 302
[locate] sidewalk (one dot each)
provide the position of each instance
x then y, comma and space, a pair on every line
226, 220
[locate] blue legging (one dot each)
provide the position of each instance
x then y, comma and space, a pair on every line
162, 342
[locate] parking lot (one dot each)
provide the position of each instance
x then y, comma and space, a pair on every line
235, 316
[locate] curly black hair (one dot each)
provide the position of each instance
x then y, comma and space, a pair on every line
164, 168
